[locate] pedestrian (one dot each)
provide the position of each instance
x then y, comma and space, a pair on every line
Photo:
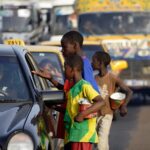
71, 43
80, 128
108, 84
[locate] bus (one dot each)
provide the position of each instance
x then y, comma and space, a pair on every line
63, 18
122, 27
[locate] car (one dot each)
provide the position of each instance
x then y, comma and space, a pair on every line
52, 56
48, 57
53, 60
90, 47
24, 100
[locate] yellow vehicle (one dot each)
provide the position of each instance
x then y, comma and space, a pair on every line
14, 42
47, 57
50, 43
111, 20
90, 47
122, 27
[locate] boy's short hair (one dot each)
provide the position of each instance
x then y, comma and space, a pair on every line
102, 56
73, 36
74, 61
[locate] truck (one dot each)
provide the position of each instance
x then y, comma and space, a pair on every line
21, 20
122, 27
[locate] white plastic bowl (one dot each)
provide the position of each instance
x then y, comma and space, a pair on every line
117, 99
118, 96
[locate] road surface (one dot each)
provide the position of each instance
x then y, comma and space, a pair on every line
133, 131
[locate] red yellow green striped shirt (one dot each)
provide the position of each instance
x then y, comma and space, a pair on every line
84, 131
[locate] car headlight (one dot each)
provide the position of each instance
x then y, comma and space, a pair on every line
20, 141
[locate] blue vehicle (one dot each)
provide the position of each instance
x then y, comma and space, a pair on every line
24, 99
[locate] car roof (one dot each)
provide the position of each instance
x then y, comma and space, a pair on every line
41, 48
10, 50
85, 42
47, 49
50, 43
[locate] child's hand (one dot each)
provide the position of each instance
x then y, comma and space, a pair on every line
123, 110
43, 73
79, 117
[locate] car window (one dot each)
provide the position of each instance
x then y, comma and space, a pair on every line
13, 85
51, 62
91, 49
39, 82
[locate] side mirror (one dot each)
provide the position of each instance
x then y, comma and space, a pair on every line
53, 97
117, 65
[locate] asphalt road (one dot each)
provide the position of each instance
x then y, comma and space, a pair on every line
132, 132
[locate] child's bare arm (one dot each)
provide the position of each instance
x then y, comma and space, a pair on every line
57, 84
98, 104
47, 75
126, 89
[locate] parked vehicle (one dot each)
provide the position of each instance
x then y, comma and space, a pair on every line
52, 56
23, 100
63, 18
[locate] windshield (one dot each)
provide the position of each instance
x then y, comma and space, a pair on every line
138, 62
114, 23
12, 81
61, 25
51, 62
65, 20
137, 69
16, 20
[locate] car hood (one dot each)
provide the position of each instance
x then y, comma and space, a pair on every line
13, 117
